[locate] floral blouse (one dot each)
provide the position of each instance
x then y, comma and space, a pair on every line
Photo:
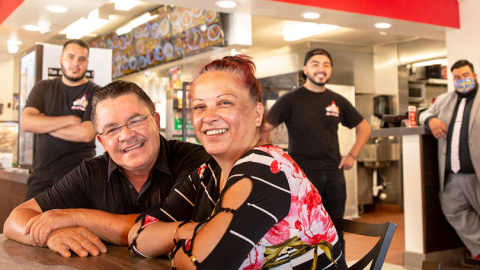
282, 222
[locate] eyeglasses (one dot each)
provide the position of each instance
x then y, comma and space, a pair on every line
135, 124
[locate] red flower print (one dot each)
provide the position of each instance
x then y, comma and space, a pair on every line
275, 166
149, 220
201, 170
279, 233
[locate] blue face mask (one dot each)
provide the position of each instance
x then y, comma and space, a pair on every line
465, 85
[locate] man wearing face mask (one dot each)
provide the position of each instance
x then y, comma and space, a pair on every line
454, 120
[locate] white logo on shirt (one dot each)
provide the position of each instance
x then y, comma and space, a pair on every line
332, 110
80, 103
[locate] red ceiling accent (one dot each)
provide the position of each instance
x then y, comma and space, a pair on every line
436, 12
7, 7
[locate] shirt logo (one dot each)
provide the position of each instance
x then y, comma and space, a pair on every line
332, 110
80, 103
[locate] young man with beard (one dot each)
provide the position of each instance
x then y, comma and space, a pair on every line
58, 111
101, 198
454, 119
312, 114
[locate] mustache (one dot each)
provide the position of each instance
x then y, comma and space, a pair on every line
129, 143
321, 72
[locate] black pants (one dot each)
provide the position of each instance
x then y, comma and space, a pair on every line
333, 190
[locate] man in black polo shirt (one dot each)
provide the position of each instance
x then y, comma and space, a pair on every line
137, 171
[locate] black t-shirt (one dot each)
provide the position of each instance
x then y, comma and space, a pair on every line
98, 183
312, 121
56, 157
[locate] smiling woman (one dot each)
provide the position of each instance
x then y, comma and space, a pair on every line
254, 208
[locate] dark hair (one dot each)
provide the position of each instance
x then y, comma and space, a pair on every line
317, 51
116, 89
243, 66
462, 63
311, 53
78, 42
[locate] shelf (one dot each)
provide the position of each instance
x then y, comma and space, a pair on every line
431, 81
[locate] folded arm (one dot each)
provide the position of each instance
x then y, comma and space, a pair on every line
67, 127
82, 132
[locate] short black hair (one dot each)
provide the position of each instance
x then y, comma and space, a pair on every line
78, 42
116, 89
462, 63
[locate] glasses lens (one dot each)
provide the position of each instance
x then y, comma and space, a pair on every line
112, 132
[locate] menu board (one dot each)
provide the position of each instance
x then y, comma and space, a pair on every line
153, 40
124, 60
194, 29
97, 43
174, 32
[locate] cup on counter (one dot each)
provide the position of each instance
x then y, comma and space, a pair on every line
412, 116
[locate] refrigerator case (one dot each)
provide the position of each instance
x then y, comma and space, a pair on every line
41, 62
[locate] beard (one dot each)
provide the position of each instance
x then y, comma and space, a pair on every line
72, 79
312, 79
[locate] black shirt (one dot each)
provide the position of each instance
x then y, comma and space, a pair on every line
100, 184
312, 121
466, 165
55, 157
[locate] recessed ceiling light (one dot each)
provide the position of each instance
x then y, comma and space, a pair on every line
310, 15
383, 25
31, 27
226, 4
56, 8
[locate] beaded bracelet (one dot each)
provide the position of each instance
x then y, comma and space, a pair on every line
354, 157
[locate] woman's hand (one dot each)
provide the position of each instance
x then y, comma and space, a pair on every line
186, 231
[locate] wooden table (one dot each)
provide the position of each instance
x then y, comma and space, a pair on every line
16, 256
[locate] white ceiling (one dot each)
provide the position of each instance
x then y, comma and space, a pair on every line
267, 22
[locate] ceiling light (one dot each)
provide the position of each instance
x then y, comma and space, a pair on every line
443, 62
56, 8
83, 27
383, 25
310, 15
226, 4
14, 42
136, 22
30, 27
383, 33
298, 30
12, 48
126, 4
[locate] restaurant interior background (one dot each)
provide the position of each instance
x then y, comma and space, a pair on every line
381, 70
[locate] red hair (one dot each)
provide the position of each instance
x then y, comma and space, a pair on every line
243, 66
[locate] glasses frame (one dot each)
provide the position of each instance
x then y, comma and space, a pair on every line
106, 134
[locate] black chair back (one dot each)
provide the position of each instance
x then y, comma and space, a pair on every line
378, 253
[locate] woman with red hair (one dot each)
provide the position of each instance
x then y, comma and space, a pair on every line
250, 206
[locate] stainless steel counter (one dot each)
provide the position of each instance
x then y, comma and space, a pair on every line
399, 131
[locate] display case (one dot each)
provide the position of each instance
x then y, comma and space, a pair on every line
8, 139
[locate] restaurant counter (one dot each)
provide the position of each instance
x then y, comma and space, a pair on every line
13, 187
14, 255
428, 235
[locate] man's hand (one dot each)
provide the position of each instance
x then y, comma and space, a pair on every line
40, 226
438, 128
347, 162
76, 239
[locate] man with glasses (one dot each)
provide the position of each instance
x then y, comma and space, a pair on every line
454, 119
137, 171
